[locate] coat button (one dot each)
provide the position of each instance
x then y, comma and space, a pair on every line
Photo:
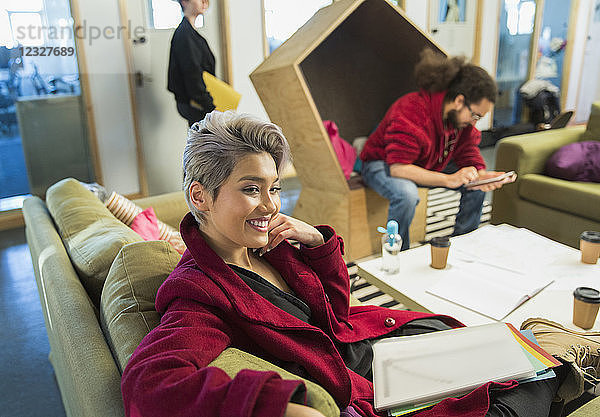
389, 322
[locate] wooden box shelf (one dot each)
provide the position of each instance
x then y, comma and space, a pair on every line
348, 64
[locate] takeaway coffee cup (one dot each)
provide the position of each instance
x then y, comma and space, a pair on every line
589, 244
585, 306
439, 252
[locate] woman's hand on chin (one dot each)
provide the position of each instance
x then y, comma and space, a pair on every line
297, 410
286, 227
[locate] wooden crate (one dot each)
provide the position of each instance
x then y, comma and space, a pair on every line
348, 64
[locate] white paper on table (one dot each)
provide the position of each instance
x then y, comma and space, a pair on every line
487, 289
569, 277
516, 249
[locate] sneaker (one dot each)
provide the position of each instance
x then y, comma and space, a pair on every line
579, 349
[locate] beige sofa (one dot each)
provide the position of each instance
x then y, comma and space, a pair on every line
553, 207
97, 281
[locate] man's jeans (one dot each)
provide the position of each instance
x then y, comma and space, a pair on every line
404, 197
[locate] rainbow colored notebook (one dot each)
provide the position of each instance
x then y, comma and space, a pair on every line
539, 358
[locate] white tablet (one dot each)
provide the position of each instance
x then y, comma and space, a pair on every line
490, 180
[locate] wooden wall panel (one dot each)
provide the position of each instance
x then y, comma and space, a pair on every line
348, 63
286, 100
363, 66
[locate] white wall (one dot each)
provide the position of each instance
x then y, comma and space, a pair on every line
110, 100
578, 45
489, 31
246, 51
109, 88
584, 83
416, 10
456, 38
489, 46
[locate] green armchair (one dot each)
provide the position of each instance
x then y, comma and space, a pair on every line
555, 208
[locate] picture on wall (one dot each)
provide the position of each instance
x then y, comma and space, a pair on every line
452, 11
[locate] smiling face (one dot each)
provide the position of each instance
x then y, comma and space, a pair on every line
239, 216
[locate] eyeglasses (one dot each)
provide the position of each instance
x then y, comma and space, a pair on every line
474, 116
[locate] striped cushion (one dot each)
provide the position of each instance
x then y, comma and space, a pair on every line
125, 210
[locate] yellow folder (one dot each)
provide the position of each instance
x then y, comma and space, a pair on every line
224, 96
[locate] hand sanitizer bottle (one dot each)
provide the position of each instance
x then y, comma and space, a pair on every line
391, 242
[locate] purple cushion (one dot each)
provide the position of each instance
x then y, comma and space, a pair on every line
579, 161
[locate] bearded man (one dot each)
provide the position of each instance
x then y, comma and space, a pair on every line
423, 131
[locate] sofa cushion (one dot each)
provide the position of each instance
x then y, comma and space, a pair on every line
91, 234
579, 161
578, 198
127, 211
127, 311
233, 360
145, 224
592, 131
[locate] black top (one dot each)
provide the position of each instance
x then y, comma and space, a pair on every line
357, 356
190, 56
288, 302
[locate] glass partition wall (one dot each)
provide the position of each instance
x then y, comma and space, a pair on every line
517, 20
43, 129
521, 57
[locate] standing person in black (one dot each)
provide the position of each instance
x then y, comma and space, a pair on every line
190, 56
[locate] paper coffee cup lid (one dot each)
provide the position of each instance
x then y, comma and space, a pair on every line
587, 295
591, 236
440, 242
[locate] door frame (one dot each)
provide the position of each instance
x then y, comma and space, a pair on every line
85, 94
225, 57
568, 59
143, 183
225, 29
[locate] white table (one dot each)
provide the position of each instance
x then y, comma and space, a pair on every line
537, 253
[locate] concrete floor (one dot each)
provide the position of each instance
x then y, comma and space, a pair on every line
27, 384
13, 174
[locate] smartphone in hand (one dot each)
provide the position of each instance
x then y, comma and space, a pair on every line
490, 180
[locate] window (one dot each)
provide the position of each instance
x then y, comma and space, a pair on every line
284, 17
26, 28
23, 6
521, 16
34, 23
166, 14
21, 23
5, 33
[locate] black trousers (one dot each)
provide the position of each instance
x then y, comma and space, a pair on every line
533, 399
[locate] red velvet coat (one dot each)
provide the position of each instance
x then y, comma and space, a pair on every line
412, 132
206, 307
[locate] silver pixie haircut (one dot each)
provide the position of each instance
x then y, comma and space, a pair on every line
215, 145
